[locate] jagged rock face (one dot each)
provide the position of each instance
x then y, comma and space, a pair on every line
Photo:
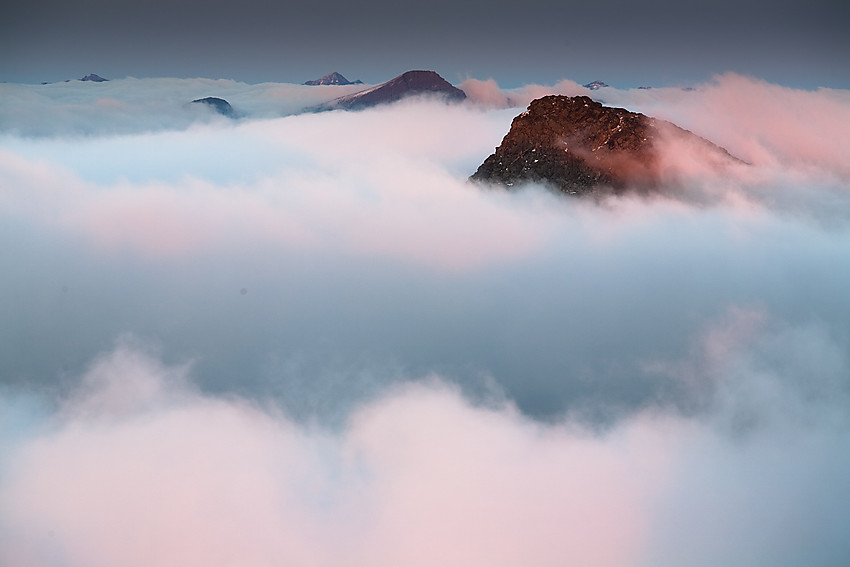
578, 145
333, 79
94, 78
218, 104
407, 84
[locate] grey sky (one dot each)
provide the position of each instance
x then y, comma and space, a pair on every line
624, 43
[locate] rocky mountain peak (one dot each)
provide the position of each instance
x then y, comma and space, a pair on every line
577, 145
423, 81
407, 84
333, 79
94, 78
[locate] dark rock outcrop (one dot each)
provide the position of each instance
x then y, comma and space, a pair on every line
333, 79
93, 78
218, 104
408, 84
577, 145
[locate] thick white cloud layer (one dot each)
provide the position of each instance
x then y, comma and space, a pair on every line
359, 357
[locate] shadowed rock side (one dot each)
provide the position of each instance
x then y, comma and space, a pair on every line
578, 145
218, 104
408, 84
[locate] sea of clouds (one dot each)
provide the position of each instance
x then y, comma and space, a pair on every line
306, 339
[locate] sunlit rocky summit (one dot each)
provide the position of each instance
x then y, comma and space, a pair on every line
411, 83
578, 146
333, 79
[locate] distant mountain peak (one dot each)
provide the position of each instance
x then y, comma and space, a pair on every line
407, 84
595, 85
94, 78
333, 79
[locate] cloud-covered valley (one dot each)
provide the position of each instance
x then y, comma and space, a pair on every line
298, 338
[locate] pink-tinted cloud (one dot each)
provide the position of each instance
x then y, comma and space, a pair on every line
488, 93
764, 124
378, 187
419, 477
